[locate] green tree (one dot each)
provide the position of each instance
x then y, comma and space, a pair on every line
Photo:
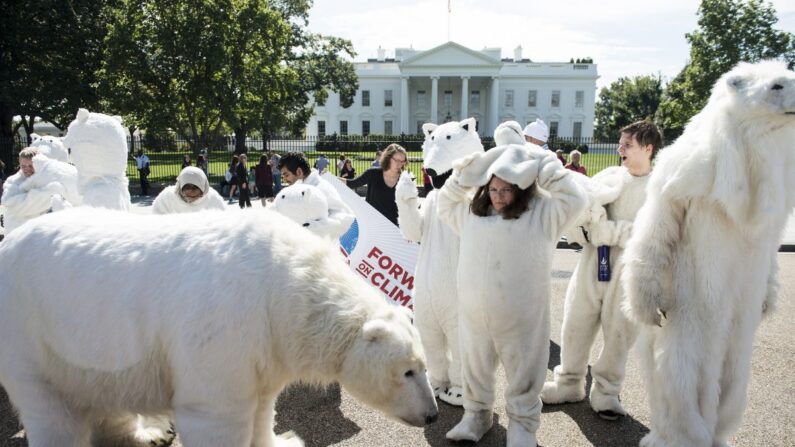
729, 31
625, 101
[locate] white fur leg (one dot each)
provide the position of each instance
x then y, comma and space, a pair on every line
652, 440
608, 406
518, 436
558, 393
453, 395
472, 427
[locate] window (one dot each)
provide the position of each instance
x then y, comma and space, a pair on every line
509, 99
579, 99
555, 98
448, 100
388, 127
577, 131
365, 98
387, 98
553, 129
474, 99
321, 128
419, 127
532, 96
421, 99
344, 127
366, 127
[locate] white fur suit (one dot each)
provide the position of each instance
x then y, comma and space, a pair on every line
591, 304
170, 201
701, 263
435, 293
504, 274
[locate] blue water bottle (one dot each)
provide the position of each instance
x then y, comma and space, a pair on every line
603, 253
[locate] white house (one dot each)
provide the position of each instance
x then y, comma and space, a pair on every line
452, 82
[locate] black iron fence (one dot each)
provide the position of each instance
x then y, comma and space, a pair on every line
167, 154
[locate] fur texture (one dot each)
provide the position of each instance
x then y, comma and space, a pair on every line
170, 201
98, 145
340, 216
159, 320
701, 260
435, 293
50, 146
305, 205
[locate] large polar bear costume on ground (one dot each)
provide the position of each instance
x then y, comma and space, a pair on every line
701, 262
435, 295
157, 320
98, 146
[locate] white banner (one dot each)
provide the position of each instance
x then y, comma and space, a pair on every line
376, 250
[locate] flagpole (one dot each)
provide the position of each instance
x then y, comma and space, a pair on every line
449, 13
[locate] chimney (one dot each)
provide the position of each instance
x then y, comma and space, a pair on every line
381, 54
517, 54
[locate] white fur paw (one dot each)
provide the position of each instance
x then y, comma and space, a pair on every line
608, 407
472, 427
518, 436
453, 395
643, 305
556, 393
406, 188
155, 432
289, 439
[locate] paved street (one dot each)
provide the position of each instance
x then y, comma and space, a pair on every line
325, 418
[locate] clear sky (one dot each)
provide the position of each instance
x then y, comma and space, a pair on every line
625, 38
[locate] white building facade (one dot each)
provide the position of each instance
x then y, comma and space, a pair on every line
451, 83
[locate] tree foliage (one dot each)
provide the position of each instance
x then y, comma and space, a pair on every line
729, 31
625, 101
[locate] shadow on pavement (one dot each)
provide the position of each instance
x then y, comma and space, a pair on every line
621, 433
300, 403
10, 425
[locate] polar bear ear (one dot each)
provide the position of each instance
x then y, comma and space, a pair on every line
82, 115
736, 82
428, 128
375, 330
468, 124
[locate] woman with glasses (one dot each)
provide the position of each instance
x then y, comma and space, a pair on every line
523, 200
191, 193
381, 181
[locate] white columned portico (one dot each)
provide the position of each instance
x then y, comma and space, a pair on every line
404, 105
494, 103
434, 98
464, 97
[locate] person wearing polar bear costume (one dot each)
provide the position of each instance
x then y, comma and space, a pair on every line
435, 294
509, 230
701, 269
41, 185
51, 147
75, 349
305, 205
191, 193
591, 303
98, 146
295, 169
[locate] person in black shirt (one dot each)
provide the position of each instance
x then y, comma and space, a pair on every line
242, 180
381, 181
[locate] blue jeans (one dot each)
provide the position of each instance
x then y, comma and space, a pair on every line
277, 183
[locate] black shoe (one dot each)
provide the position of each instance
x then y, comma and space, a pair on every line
610, 415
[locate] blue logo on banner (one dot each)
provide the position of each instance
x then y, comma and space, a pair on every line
350, 238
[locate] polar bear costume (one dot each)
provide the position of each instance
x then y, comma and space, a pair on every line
305, 205
50, 146
435, 292
52, 186
701, 263
503, 280
340, 215
170, 200
591, 304
215, 350
98, 146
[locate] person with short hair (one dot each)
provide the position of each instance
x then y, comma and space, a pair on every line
191, 193
537, 133
295, 169
381, 181
594, 302
561, 156
321, 164
142, 163
241, 173
575, 163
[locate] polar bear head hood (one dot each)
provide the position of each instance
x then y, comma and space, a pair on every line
302, 203
51, 147
98, 144
445, 143
192, 175
517, 164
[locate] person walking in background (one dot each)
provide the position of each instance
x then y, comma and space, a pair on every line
381, 181
347, 171
263, 178
321, 164
561, 156
186, 161
231, 176
277, 174
201, 163
377, 162
142, 163
341, 162
575, 163
244, 200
